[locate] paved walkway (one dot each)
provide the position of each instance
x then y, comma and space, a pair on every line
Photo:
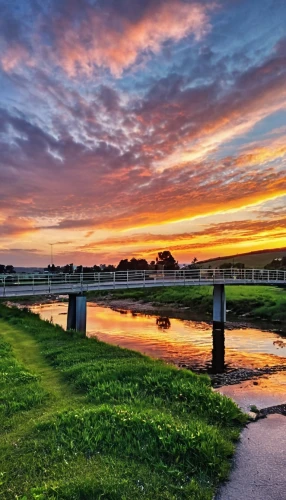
259, 471
259, 468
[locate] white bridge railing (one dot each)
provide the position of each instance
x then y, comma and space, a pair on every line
42, 284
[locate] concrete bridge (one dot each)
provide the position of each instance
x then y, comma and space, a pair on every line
76, 285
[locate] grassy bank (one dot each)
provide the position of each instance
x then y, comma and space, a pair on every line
259, 302
84, 419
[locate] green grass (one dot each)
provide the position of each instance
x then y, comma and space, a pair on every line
20, 389
107, 423
261, 302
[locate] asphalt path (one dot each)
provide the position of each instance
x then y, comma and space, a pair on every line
260, 463
259, 466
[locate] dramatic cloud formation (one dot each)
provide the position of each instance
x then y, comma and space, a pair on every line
81, 35
130, 127
119, 40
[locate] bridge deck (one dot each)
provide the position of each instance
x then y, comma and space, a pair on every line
41, 284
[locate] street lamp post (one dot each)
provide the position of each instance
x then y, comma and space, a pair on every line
52, 256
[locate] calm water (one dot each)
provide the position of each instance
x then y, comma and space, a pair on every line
176, 340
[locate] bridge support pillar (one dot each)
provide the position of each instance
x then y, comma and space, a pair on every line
219, 306
218, 351
76, 319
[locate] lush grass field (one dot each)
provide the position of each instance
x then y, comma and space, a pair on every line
261, 302
81, 419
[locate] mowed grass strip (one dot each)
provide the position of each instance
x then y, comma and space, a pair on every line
130, 427
20, 390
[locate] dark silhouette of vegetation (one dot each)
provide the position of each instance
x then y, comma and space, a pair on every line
228, 265
279, 264
7, 269
110, 268
193, 265
68, 269
165, 260
132, 265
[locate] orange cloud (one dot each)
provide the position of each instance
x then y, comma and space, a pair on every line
16, 226
261, 154
225, 233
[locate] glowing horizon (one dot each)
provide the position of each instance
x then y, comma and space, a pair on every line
130, 127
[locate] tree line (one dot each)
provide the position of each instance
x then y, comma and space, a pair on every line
7, 269
164, 260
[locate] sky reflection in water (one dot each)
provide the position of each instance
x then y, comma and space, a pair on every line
178, 341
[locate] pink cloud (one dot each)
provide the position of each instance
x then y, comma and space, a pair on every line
112, 41
14, 56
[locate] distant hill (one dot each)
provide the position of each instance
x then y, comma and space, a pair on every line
256, 259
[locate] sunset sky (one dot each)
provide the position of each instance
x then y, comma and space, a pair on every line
132, 126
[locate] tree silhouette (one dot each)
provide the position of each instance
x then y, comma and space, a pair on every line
132, 265
166, 260
193, 264
10, 269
